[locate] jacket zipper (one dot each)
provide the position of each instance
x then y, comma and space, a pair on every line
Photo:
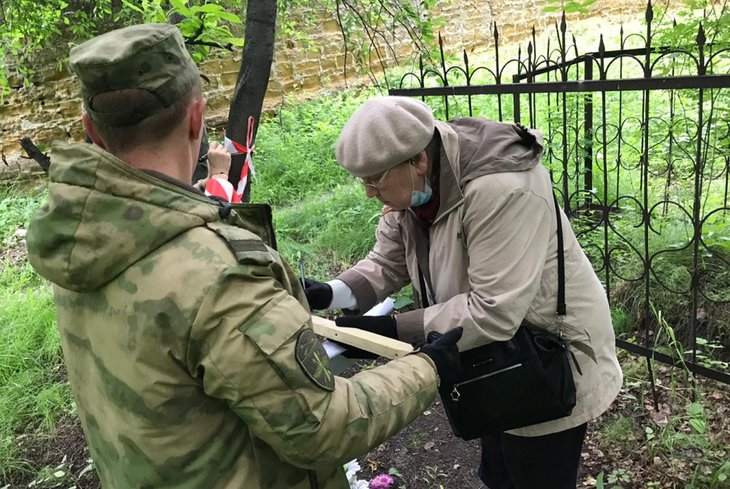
455, 394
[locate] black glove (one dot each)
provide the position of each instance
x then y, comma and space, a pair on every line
443, 351
319, 294
382, 325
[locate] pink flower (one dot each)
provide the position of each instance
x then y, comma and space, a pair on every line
382, 481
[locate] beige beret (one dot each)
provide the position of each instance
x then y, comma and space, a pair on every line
383, 133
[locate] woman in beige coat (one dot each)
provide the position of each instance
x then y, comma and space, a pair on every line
470, 222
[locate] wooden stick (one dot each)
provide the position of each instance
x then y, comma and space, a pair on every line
365, 340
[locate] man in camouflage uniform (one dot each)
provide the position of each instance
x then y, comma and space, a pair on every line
187, 339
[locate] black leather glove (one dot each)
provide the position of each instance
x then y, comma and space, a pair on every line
443, 351
319, 294
382, 325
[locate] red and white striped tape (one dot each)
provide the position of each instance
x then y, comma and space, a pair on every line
248, 170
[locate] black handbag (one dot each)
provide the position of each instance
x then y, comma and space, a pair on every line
519, 382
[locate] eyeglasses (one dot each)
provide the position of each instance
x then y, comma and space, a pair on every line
368, 182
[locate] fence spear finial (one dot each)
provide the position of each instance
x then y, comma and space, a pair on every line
649, 12
701, 39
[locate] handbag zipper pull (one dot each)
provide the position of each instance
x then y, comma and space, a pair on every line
455, 394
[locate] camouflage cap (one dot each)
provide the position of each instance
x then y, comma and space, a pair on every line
151, 57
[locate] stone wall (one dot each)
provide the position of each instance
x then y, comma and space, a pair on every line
50, 107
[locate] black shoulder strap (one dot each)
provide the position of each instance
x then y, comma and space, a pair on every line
561, 261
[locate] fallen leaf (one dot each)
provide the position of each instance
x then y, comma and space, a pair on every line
428, 446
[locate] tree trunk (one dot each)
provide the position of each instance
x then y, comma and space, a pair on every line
253, 78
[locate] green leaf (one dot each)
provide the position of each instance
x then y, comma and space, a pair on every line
696, 409
402, 302
132, 6
179, 5
550, 9
698, 425
394, 472
232, 18
236, 41
207, 8
600, 484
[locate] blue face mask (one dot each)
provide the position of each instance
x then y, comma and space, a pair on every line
419, 198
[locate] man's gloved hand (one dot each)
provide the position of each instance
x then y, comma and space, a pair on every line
443, 351
382, 325
319, 294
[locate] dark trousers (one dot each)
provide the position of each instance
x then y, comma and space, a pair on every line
540, 462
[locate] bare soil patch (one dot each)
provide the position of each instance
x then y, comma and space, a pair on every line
58, 459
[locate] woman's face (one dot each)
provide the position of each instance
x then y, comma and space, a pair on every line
394, 187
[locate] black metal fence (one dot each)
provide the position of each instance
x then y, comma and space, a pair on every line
638, 145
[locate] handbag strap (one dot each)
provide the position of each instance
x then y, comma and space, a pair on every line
561, 309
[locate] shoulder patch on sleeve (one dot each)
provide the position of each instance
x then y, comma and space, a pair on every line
313, 359
245, 245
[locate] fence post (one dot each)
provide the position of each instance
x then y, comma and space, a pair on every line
588, 134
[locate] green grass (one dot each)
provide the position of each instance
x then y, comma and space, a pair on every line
329, 231
33, 393
16, 207
619, 430
295, 150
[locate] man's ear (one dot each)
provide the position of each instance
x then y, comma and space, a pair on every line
195, 118
421, 163
91, 130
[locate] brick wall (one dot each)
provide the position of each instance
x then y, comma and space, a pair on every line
50, 107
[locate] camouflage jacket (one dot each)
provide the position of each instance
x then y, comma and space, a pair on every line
191, 357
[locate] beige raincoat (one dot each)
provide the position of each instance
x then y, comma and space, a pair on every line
489, 260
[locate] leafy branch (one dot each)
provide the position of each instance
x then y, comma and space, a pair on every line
571, 6
370, 29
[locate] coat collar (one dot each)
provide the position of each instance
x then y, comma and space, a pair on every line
449, 189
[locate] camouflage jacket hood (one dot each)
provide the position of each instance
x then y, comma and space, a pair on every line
94, 196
